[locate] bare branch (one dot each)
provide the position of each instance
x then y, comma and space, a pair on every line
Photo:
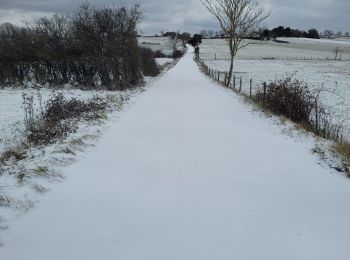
237, 19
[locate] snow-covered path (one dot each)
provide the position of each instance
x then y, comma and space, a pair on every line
189, 172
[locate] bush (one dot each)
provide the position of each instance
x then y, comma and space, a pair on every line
92, 47
291, 98
160, 54
149, 66
295, 100
55, 120
177, 54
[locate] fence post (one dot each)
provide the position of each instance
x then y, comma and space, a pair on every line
250, 87
234, 81
219, 76
264, 96
240, 84
316, 109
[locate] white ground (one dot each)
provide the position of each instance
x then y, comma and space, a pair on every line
327, 42
297, 49
157, 44
163, 61
12, 111
287, 61
190, 172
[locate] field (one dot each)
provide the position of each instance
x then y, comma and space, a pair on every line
162, 44
309, 60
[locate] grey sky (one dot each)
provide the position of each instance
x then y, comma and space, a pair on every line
190, 15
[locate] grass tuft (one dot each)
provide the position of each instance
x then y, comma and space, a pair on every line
41, 170
343, 149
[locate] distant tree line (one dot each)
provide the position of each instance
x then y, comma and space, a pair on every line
281, 31
92, 47
183, 37
332, 35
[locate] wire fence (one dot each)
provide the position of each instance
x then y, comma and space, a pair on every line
326, 121
217, 56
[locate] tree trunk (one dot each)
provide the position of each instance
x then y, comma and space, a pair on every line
230, 73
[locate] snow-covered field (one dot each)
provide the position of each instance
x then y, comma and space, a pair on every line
300, 49
190, 171
156, 44
321, 72
320, 42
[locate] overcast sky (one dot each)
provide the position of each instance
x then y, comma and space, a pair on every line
190, 15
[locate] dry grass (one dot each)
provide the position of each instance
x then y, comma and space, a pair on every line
17, 153
20, 177
39, 188
343, 149
4, 200
65, 150
25, 204
59, 117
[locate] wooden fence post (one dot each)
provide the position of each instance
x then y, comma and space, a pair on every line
234, 81
240, 84
264, 96
250, 87
316, 109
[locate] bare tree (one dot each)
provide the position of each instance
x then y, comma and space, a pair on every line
339, 34
174, 40
204, 33
328, 33
237, 19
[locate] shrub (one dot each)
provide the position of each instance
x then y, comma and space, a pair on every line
291, 98
160, 54
149, 66
55, 120
177, 54
295, 100
92, 47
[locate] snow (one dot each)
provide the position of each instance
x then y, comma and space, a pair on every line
163, 61
191, 172
308, 49
315, 41
330, 74
12, 112
162, 44
40, 169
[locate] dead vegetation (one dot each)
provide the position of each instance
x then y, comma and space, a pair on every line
17, 153
58, 118
343, 148
295, 100
39, 188
4, 200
